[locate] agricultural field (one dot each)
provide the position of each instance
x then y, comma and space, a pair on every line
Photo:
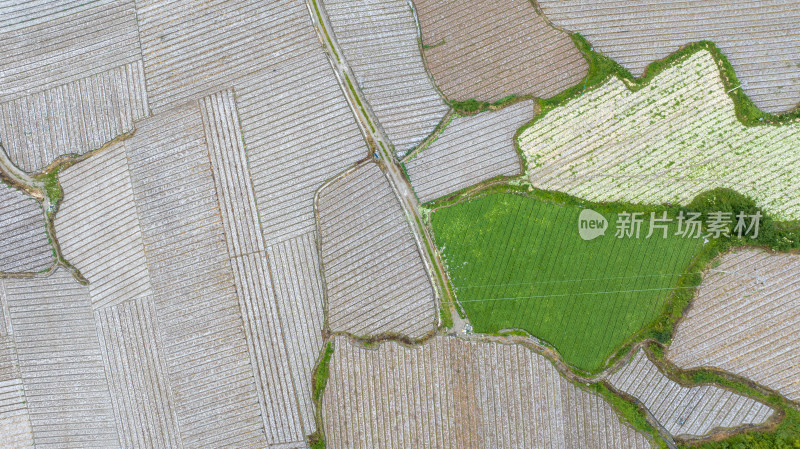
517, 262
269, 57
687, 412
76, 80
15, 423
376, 280
760, 38
105, 246
744, 319
379, 42
454, 393
469, 149
60, 363
221, 207
24, 245
664, 142
486, 50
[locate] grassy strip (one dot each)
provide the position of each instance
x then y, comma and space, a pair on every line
473, 106
325, 30
630, 412
444, 303
317, 439
358, 100
51, 186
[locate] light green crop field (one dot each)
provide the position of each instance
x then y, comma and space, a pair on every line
519, 263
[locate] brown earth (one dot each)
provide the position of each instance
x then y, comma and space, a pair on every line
487, 50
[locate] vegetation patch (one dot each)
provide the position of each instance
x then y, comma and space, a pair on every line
473, 106
317, 439
517, 262
51, 186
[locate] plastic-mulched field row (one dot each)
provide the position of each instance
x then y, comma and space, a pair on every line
71, 81
297, 125
454, 393
23, 241
745, 320
193, 285
374, 273
683, 411
60, 362
469, 150
760, 38
14, 417
519, 263
666, 142
379, 42
98, 227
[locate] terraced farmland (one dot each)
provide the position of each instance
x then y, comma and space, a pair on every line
760, 38
71, 82
454, 393
98, 227
518, 263
487, 50
60, 362
469, 150
379, 41
23, 241
744, 319
683, 411
376, 279
666, 142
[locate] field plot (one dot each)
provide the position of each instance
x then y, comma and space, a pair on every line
137, 375
21, 15
683, 411
294, 266
469, 150
98, 228
23, 241
298, 126
193, 284
71, 81
760, 38
15, 424
60, 362
450, 392
375, 277
379, 42
745, 319
246, 249
518, 263
666, 142
487, 50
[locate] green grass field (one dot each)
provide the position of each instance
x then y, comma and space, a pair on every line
519, 263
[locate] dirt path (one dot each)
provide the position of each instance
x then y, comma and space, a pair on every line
381, 147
